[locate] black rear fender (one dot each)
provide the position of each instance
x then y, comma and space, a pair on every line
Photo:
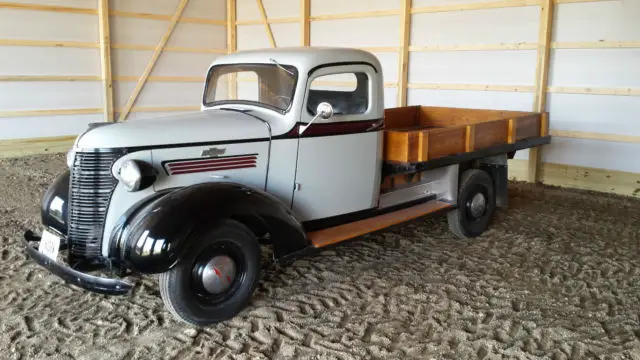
154, 238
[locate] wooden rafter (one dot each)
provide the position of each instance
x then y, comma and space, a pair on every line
105, 59
153, 60
265, 21
405, 38
305, 22
542, 77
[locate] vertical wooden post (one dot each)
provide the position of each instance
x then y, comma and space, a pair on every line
232, 46
542, 78
154, 58
305, 12
265, 21
403, 59
105, 59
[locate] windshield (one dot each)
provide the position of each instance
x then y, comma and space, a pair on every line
269, 85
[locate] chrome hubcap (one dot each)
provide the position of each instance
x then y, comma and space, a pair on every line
218, 274
477, 205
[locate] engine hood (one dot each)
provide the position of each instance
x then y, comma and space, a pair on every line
204, 126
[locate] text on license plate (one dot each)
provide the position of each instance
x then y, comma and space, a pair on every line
49, 245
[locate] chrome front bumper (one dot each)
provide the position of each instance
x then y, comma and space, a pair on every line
83, 280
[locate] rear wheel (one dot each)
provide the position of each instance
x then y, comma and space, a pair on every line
476, 204
217, 276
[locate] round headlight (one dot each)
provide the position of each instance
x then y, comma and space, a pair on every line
71, 154
130, 175
136, 175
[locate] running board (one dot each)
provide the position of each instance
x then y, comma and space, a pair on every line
334, 235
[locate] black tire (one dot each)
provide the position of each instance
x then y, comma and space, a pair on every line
182, 289
467, 221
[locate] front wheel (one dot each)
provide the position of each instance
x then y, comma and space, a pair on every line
216, 278
476, 204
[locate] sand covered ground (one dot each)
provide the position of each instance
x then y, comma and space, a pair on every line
557, 276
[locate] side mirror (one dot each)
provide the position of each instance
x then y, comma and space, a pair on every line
323, 111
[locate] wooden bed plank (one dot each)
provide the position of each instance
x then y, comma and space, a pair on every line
396, 146
447, 141
491, 133
527, 126
334, 235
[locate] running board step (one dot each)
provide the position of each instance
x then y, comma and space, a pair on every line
334, 235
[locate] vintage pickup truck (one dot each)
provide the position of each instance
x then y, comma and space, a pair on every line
294, 149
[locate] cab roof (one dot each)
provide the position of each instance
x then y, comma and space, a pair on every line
303, 58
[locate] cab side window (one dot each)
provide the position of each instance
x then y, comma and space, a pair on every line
348, 93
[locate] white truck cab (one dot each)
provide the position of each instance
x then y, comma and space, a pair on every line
291, 148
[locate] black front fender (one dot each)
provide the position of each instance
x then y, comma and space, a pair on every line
158, 235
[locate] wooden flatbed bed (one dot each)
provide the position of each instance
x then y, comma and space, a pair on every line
418, 138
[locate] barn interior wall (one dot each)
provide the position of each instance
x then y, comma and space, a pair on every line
483, 54
462, 53
50, 64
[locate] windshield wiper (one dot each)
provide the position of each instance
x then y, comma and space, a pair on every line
281, 67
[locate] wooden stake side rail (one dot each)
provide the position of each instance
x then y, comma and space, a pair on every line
334, 235
420, 133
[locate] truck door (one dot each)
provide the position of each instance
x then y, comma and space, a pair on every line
339, 158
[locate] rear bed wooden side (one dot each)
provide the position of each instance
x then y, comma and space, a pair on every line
422, 133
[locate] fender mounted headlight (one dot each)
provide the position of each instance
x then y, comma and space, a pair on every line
136, 175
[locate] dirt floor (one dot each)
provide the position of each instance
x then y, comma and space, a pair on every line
557, 276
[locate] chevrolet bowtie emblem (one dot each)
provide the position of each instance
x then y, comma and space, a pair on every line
213, 152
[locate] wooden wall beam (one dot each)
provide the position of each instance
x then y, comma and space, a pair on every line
105, 59
232, 46
153, 60
305, 22
403, 59
473, 87
542, 78
148, 16
265, 22
50, 8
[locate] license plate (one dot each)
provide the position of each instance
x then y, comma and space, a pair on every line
49, 245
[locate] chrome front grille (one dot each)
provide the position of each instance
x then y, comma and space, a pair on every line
90, 190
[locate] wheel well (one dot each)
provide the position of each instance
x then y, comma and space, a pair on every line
257, 226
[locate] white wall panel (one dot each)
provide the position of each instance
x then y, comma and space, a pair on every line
133, 62
508, 25
142, 116
159, 94
595, 67
28, 60
252, 37
125, 30
206, 9
50, 95
390, 65
390, 97
44, 126
421, 3
39, 25
601, 114
248, 9
593, 153
198, 36
340, 6
184, 64
471, 99
378, 31
162, 7
598, 21
473, 67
